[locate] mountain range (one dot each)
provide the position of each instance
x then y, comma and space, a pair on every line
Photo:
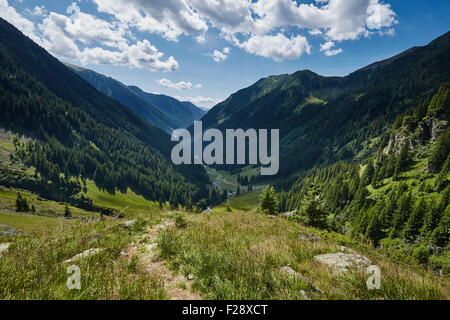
160, 110
366, 154
323, 120
79, 132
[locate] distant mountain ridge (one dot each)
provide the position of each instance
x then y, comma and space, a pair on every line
323, 120
160, 110
80, 133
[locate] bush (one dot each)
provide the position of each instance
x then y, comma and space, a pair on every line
422, 253
180, 221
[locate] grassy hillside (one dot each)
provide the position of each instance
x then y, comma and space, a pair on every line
226, 255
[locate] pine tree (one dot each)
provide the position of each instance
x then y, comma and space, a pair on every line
22, 204
367, 176
67, 213
314, 212
268, 201
402, 161
441, 234
415, 221
374, 230
401, 215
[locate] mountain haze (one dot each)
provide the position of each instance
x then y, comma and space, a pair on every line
160, 110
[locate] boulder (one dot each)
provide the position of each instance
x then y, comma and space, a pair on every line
287, 270
341, 262
8, 231
150, 247
128, 224
309, 237
288, 214
4, 247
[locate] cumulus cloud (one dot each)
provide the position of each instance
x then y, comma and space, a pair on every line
11, 15
38, 11
250, 21
327, 49
169, 18
102, 42
274, 29
182, 85
277, 47
220, 56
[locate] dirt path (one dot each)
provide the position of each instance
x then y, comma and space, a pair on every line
178, 287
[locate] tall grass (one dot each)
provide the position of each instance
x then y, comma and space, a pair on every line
34, 267
239, 255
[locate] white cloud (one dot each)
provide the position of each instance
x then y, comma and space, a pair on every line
220, 56
182, 85
169, 18
38, 11
12, 16
105, 42
327, 49
277, 47
198, 86
275, 29
268, 21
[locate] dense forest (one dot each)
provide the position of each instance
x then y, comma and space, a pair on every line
80, 133
401, 192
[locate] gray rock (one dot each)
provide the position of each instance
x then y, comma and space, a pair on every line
4, 247
8, 231
151, 246
190, 277
128, 224
288, 214
84, 254
304, 295
341, 262
286, 270
309, 237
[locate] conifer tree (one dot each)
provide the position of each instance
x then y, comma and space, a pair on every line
268, 201
314, 211
415, 221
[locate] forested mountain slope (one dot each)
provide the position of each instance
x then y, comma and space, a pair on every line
160, 110
80, 132
399, 197
323, 120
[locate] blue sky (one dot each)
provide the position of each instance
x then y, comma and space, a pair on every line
204, 50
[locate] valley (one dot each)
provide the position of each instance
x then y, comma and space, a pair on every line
86, 178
